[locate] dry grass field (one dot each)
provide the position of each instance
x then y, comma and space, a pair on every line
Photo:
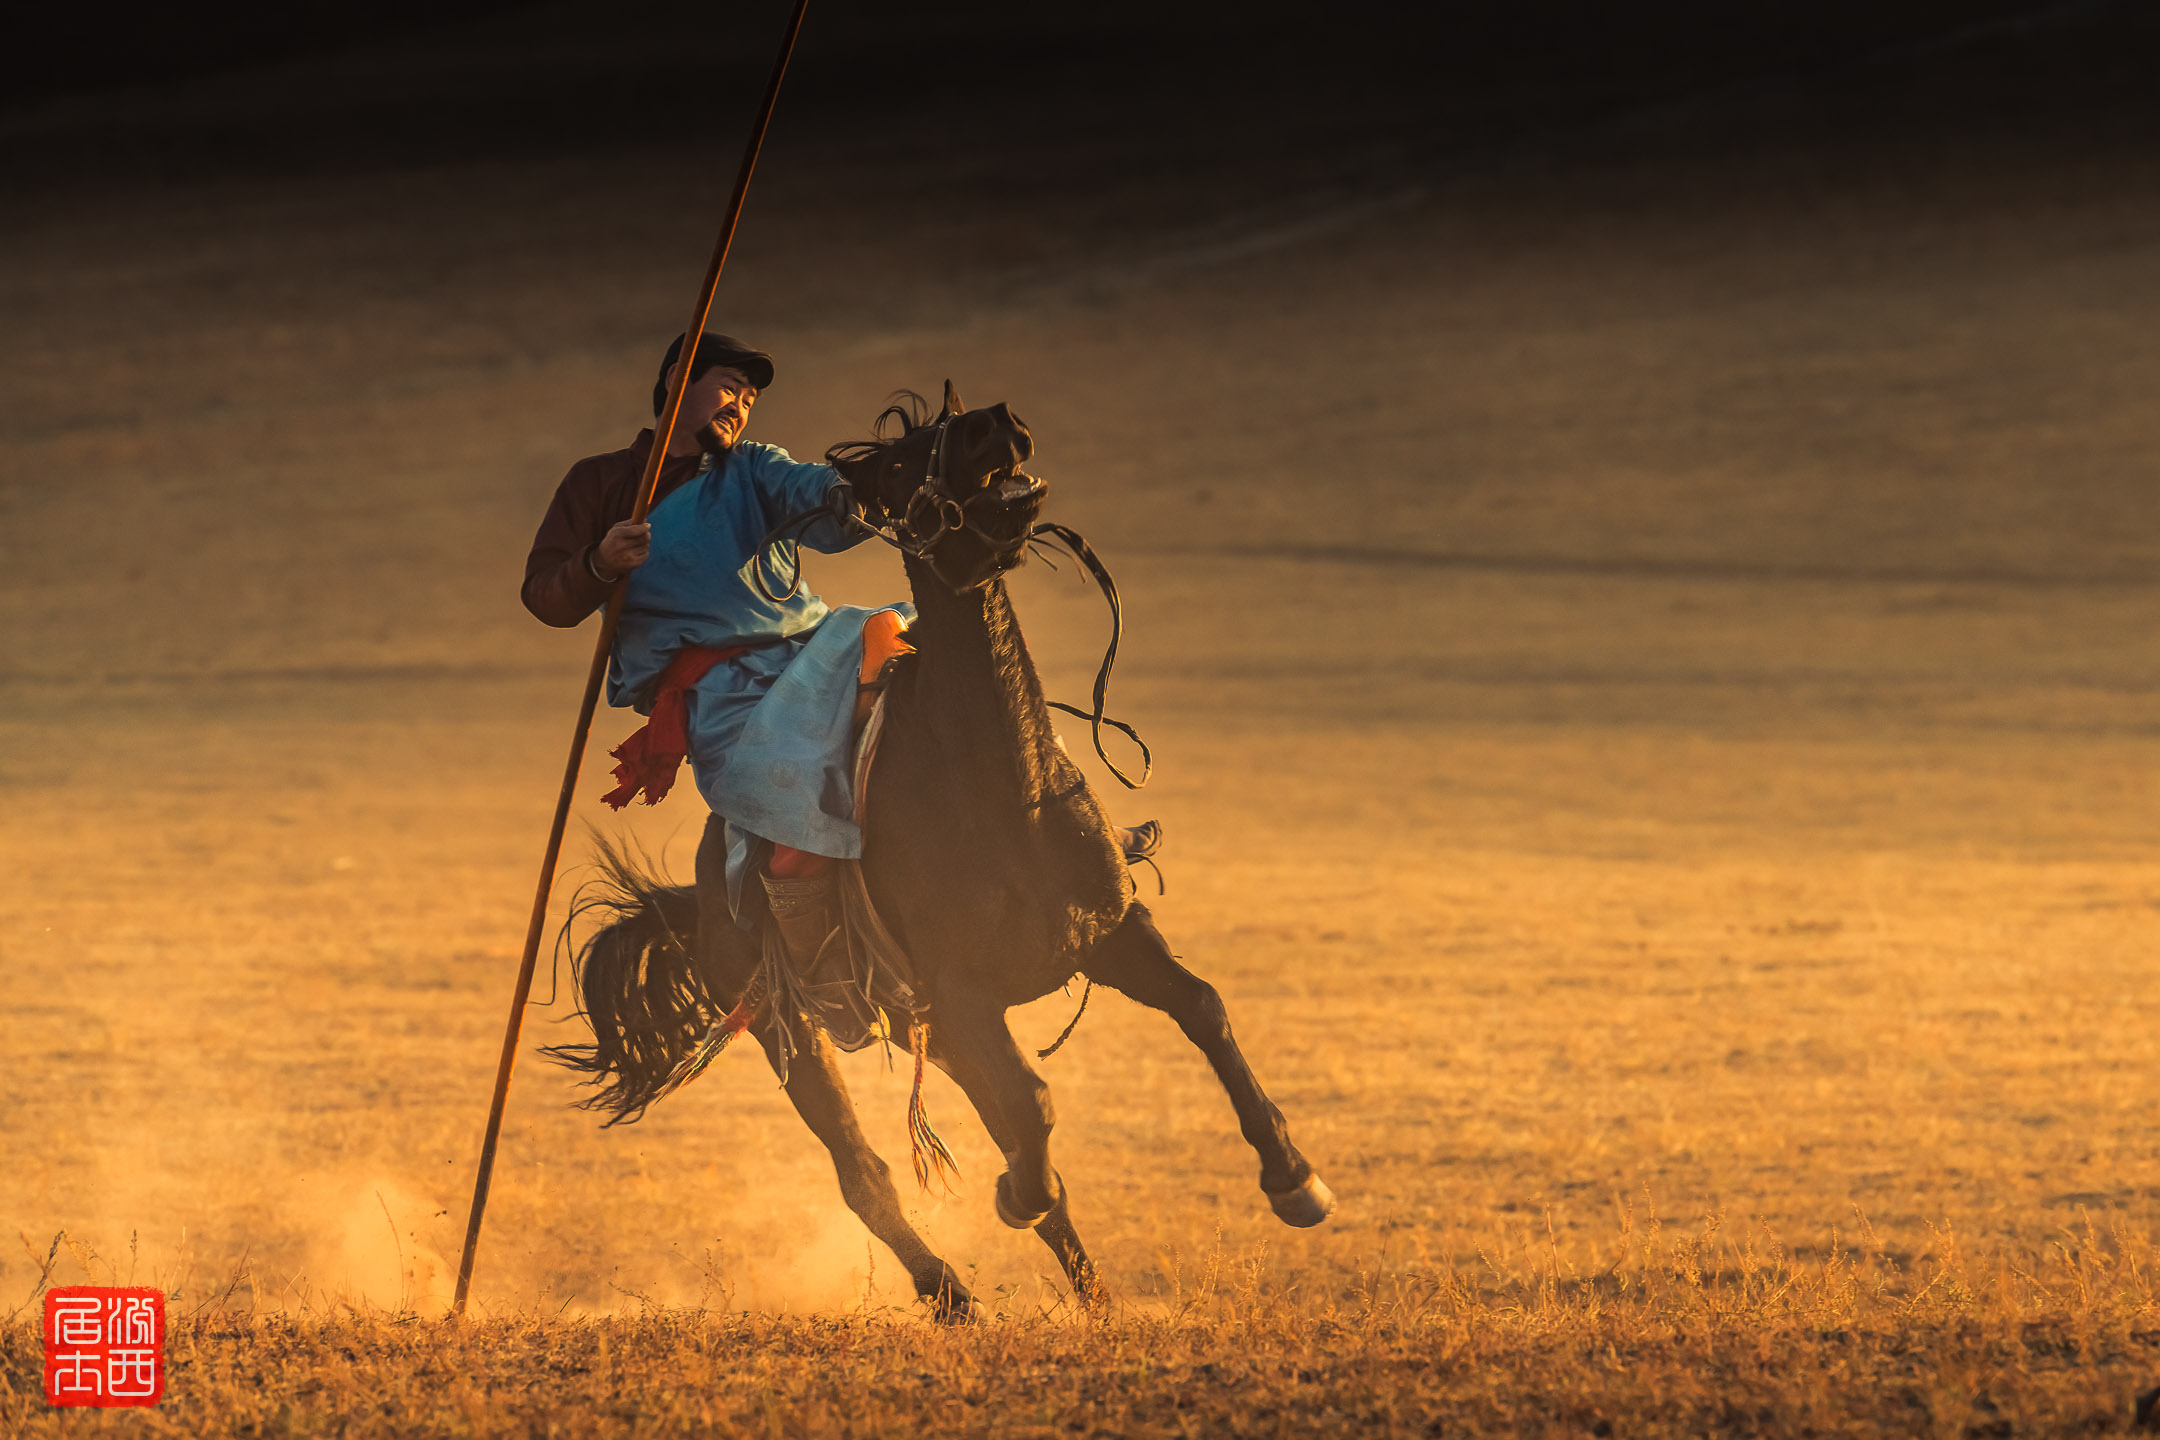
1653, 667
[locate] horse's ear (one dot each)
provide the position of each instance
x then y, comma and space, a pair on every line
952, 400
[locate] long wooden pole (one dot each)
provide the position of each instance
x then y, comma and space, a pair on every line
611, 617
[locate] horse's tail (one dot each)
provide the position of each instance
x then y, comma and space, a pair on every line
643, 988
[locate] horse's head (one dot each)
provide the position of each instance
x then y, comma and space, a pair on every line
949, 489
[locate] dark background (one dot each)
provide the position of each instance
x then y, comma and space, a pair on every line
1364, 87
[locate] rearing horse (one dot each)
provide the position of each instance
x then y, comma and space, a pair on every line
985, 852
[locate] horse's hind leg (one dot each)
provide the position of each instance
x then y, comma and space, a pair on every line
820, 1094
1135, 960
1055, 1228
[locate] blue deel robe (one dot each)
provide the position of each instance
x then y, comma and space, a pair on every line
770, 729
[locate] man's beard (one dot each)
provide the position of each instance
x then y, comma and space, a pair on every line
711, 441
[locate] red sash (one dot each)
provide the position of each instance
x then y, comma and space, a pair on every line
651, 757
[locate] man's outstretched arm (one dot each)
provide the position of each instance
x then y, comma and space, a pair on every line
787, 487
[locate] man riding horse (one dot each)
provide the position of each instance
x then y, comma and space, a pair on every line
758, 692
983, 873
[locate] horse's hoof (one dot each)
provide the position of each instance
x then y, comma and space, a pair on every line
951, 1304
1010, 1212
1305, 1206
1092, 1295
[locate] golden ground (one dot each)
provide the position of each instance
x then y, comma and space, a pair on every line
1653, 679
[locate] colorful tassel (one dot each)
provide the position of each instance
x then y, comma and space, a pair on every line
722, 1032
925, 1148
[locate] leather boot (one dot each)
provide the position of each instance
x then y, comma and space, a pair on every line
803, 909
806, 917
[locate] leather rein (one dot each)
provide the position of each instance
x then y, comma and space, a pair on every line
932, 516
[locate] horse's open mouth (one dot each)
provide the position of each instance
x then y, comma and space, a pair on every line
1013, 506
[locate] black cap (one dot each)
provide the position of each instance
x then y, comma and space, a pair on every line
714, 351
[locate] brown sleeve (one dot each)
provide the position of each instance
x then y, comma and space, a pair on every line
560, 588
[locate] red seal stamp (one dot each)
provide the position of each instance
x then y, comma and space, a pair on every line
104, 1345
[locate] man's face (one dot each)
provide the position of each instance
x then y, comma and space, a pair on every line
721, 398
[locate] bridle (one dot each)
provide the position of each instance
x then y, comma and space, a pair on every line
934, 515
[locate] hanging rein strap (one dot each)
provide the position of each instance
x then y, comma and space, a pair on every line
1081, 551
783, 545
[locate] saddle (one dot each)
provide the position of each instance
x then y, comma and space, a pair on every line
884, 641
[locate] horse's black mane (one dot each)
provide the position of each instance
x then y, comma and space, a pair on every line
907, 410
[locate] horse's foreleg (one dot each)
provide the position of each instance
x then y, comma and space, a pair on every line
820, 1094
1055, 1228
1135, 960
975, 1028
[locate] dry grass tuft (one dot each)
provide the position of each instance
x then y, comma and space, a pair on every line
1692, 1331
